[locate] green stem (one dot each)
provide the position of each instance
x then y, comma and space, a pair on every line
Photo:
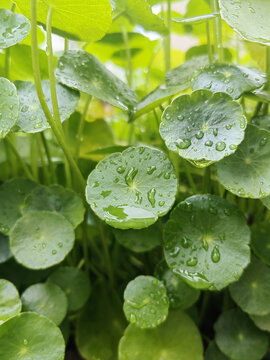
190, 179
129, 69
106, 252
209, 45
68, 174
46, 175
268, 66
7, 52
217, 23
34, 157
49, 159
58, 134
81, 125
66, 44
207, 180
167, 39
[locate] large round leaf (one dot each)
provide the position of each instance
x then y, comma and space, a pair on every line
177, 339
31, 336
31, 117
262, 322
231, 79
181, 295
251, 293
10, 302
260, 241
132, 189
13, 28
56, 198
238, 338
206, 242
9, 106
250, 166
203, 127
12, 195
248, 18
94, 78
74, 283
87, 20
46, 299
41, 239
146, 302
5, 253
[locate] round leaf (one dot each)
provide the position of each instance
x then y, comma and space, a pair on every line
139, 240
231, 79
13, 28
248, 18
250, 166
203, 127
251, 293
262, 322
9, 106
41, 239
132, 189
176, 339
238, 338
213, 353
31, 336
74, 283
180, 294
10, 302
260, 241
56, 198
146, 302
12, 195
31, 116
5, 253
46, 299
206, 242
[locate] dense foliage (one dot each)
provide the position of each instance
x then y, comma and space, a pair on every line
134, 180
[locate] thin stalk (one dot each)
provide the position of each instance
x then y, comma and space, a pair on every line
116, 16
190, 179
49, 159
81, 126
36, 70
209, 45
167, 40
66, 44
68, 174
106, 252
46, 175
268, 66
207, 180
85, 247
34, 157
129, 69
217, 25
7, 52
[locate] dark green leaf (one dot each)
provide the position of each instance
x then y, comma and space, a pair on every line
5, 253
9, 106
213, 353
260, 240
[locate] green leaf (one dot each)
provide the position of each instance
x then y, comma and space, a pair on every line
250, 166
146, 302
203, 127
31, 336
206, 242
132, 189
213, 353
139, 240
262, 322
74, 283
10, 302
86, 20
9, 105
56, 198
5, 253
12, 195
13, 28
238, 338
181, 295
251, 293
31, 117
260, 241
231, 79
248, 18
94, 79
47, 300
41, 239
176, 339
262, 122
100, 326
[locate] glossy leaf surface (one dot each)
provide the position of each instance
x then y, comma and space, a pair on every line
9, 106
10, 302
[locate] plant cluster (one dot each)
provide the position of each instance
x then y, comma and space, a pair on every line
134, 180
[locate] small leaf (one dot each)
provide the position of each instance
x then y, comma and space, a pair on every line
238, 338
181, 295
5, 253
250, 166
10, 302
31, 117
206, 242
176, 339
9, 107
203, 127
56, 198
41, 239
244, 17
74, 283
231, 79
139, 240
213, 353
260, 240
13, 28
47, 300
251, 293
31, 336
82, 71
262, 322
146, 302
132, 189
12, 195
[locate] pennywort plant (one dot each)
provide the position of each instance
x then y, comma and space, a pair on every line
134, 180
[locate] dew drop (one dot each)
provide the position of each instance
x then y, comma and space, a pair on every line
132, 318
192, 261
263, 141
161, 203
215, 255
25, 342
183, 143
151, 196
54, 252
151, 169
215, 132
233, 147
120, 169
180, 117
220, 146
199, 135
130, 176
208, 143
